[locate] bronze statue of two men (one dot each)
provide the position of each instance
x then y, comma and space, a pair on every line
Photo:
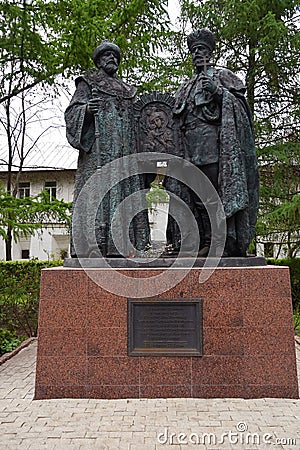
216, 135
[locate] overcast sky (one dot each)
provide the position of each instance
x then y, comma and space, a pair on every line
174, 9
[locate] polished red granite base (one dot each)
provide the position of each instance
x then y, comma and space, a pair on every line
247, 336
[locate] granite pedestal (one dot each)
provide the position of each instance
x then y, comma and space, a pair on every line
248, 338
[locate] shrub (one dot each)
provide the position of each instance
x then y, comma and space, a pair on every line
157, 194
294, 265
19, 295
8, 341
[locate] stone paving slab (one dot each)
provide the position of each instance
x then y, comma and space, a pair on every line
133, 424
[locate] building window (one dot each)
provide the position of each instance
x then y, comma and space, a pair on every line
24, 189
50, 186
25, 254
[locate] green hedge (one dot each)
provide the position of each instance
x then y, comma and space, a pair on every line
19, 299
294, 265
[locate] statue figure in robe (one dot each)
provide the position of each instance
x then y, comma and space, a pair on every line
217, 134
100, 124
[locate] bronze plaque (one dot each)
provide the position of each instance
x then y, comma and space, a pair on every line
165, 327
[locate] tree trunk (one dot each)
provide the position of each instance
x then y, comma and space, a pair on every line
250, 77
8, 245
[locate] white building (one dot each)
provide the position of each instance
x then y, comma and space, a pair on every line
52, 169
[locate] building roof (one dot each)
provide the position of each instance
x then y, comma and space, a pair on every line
47, 156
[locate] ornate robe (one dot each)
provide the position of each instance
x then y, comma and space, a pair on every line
101, 139
223, 133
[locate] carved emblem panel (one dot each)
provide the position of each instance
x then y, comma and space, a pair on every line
157, 131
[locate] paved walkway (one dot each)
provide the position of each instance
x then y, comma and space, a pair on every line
138, 424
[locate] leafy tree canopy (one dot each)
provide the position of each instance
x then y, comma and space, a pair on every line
40, 40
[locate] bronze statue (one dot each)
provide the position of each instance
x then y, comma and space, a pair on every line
100, 124
217, 134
